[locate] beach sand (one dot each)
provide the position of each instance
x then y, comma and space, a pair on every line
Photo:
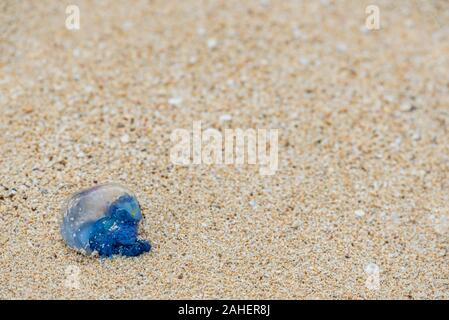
358, 207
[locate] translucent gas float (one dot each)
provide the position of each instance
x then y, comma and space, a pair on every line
104, 220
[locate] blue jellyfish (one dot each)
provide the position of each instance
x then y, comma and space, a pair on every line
104, 219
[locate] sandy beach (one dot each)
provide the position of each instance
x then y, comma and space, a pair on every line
356, 209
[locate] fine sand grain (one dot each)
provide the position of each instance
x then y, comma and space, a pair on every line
358, 207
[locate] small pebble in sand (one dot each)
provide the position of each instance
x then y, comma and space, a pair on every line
371, 268
359, 213
407, 106
124, 138
297, 34
304, 61
89, 89
127, 25
201, 31
416, 136
342, 47
212, 43
230, 83
103, 220
193, 60
80, 154
253, 204
175, 101
225, 117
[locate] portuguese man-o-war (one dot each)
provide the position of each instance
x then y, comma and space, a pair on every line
104, 220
